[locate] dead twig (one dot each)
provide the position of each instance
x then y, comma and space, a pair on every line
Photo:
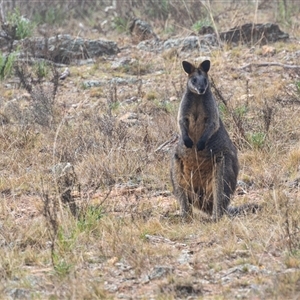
237, 120
269, 64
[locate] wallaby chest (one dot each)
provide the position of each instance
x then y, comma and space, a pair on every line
197, 117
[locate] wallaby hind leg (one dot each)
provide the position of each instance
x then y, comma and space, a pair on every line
185, 205
179, 191
219, 205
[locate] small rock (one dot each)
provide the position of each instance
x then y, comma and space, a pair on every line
162, 193
64, 74
185, 256
131, 100
206, 30
160, 271
254, 33
20, 293
120, 63
268, 50
141, 30
112, 288
129, 118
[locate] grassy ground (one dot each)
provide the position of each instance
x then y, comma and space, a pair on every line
128, 241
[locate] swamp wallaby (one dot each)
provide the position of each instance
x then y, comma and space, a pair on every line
204, 166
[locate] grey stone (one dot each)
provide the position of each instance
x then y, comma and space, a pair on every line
204, 43
64, 48
160, 271
251, 33
115, 80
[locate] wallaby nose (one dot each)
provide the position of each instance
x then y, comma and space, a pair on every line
201, 90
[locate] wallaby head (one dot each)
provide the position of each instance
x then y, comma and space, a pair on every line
198, 79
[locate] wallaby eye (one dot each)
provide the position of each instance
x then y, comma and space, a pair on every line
205, 81
194, 80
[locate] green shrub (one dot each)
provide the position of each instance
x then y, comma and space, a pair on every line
298, 87
90, 218
120, 24
7, 64
24, 28
200, 23
53, 15
41, 69
257, 139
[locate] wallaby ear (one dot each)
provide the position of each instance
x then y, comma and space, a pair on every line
205, 66
188, 67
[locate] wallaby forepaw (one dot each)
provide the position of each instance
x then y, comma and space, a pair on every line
188, 142
200, 145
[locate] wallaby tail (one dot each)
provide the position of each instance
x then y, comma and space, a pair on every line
244, 209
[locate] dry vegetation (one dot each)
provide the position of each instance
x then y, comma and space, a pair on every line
86, 209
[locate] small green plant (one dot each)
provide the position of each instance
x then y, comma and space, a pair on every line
61, 267
200, 23
257, 139
90, 218
114, 105
136, 68
164, 105
158, 9
245, 269
120, 24
241, 111
65, 241
51, 16
143, 235
24, 27
151, 95
298, 87
41, 69
284, 12
169, 30
7, 64
223, 110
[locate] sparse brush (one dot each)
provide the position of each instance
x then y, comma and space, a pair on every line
51, 211
66, 180
291, 227
42, 93
268, 114
237, 115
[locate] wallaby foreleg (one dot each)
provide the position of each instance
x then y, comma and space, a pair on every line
184, 125
208, 132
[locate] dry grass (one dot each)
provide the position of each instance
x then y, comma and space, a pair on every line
127, 239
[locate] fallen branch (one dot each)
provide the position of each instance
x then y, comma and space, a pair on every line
34, 60
269, 64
